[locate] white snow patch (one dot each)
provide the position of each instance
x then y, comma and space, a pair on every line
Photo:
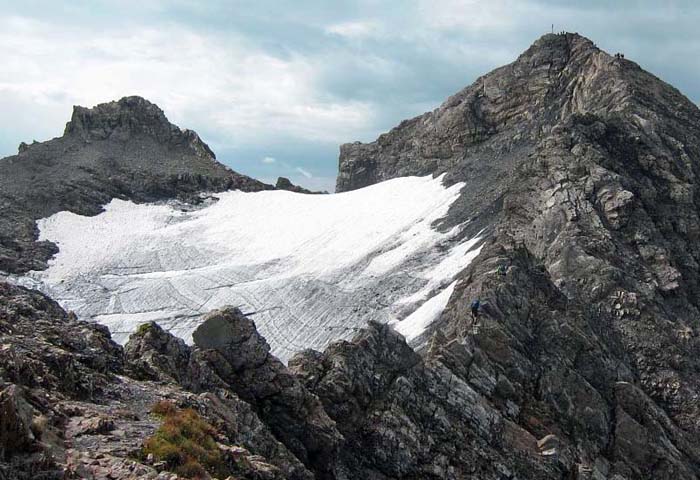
415, 324
313, 266
455, 261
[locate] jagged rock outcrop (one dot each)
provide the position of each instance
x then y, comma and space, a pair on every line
369, 408
73, 404
126, 149
397, 414
68, 356
241, 357
466, 407
129, 117
47, 358
155, 354
403, 416
250, 394
284, 183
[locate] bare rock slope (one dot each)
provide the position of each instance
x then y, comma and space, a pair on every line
586, 167
77, 405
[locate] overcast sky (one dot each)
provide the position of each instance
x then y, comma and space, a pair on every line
274, 87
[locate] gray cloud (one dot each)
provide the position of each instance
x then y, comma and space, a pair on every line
292, 81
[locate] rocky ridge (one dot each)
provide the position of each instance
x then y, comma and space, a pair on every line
583, 168
370, 408
284, 183
77, 405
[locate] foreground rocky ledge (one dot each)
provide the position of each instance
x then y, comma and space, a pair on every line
76, 405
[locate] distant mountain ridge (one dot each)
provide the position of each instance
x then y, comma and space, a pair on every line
125, 149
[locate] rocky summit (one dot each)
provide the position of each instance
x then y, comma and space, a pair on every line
126, 149
583, 166
582, 362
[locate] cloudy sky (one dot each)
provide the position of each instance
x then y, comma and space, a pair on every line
275, 87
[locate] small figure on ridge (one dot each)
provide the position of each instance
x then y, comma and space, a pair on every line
475, 308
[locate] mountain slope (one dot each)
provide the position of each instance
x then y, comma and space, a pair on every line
125, 149
76, 404
586, 167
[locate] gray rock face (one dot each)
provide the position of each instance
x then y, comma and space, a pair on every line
125, 149
129, 117
403, 416
480, 132
284, 183
234, 336
73, 404
69, 356
15, 422
156, 354
584, 166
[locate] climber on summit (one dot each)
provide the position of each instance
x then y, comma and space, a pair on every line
475, 308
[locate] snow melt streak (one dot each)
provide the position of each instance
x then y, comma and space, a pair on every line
314, 267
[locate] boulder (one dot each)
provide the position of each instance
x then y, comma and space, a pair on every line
230, 344
153, 352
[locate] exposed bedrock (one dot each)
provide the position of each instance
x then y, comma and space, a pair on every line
586, 167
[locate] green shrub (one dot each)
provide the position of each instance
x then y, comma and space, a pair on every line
191, 469
143, 328
185, 442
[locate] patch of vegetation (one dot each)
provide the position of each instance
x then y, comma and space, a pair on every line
144, 328
163, 408
185, 442
39, 425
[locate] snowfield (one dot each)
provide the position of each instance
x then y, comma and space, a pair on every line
313, 267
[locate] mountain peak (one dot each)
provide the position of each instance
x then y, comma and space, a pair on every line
582, 168
563, 40
558, 52
134, 114
558, 76
123, 149
123, 119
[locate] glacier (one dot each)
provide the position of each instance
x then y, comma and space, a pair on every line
309, 268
